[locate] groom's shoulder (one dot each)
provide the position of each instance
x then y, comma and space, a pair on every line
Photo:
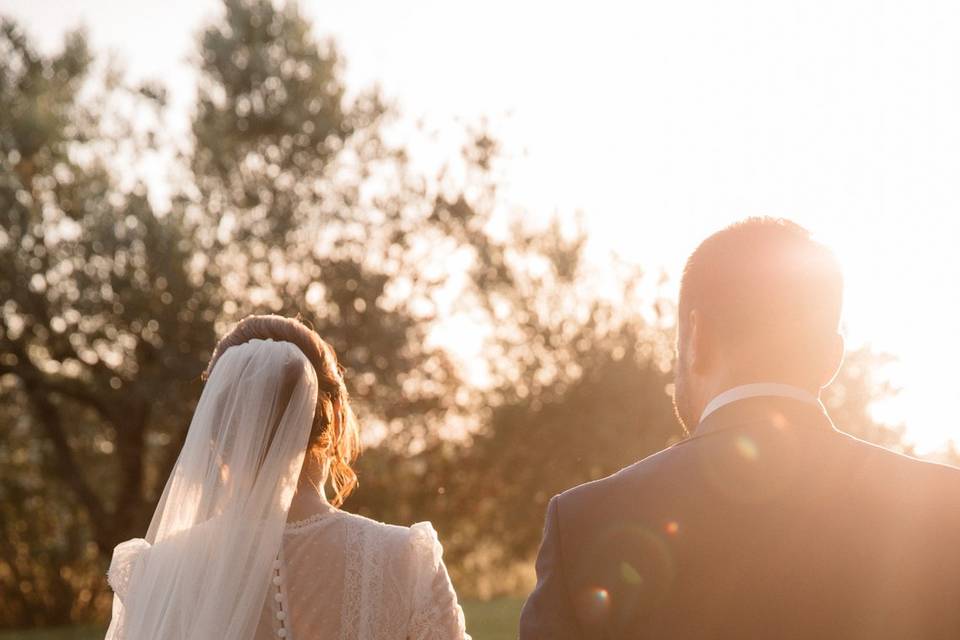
903, 468
627, 480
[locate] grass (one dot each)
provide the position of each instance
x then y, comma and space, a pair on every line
491, 620
67, 633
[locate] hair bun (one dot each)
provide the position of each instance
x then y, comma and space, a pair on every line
335, 435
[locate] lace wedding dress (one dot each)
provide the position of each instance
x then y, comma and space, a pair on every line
342, 576
384, 582
220, 560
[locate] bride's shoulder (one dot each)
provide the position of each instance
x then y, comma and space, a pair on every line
126, 555
419, 539
400, 532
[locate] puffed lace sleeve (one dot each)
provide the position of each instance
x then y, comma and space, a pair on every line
436, 613
125, 557
124, 561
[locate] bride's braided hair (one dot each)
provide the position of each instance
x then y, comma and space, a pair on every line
335, 436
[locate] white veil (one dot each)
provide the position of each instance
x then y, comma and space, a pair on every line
204, 568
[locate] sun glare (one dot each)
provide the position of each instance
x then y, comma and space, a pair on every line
677, 128
901, 298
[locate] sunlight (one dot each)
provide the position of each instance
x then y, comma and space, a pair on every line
901, 297
677, 128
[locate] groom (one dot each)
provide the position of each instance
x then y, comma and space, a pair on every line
767, 522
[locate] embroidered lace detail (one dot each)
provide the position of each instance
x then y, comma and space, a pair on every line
298, 526
374, 601
436, 614
351, 616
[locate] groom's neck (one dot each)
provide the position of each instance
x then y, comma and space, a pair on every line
717, 385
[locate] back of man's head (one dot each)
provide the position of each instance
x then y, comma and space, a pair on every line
763, 287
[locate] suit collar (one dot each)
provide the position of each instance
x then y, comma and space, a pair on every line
758, 389
778, 412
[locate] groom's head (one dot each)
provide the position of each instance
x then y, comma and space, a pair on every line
759, 302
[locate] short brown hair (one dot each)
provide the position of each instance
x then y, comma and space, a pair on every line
765, 280
335, 434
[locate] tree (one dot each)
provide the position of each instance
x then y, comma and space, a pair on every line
100, 313
112, 308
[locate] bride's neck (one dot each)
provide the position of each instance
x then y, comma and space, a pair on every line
311, 497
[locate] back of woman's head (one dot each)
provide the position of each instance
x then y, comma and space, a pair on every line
335, 436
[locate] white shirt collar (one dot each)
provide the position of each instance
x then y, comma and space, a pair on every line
759, 389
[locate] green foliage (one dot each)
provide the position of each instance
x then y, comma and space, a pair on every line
111, 308
88, 275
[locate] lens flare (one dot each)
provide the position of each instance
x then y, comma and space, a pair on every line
672, 527
595, 604
629, 573
751, 467
635, 563
778, 420
600, 596
747, 448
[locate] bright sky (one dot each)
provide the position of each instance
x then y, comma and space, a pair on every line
664, 121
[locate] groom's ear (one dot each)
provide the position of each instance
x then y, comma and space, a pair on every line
700, 347
835, 360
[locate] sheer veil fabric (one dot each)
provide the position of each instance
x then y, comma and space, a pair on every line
203, 570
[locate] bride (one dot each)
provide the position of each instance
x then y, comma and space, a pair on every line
244, 544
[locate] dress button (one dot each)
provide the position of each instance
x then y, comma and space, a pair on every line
276, 580
282, 633
281, 615
278, 597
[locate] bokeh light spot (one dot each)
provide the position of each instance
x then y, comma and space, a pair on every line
672, 527
595, 603
746, 447
600, 596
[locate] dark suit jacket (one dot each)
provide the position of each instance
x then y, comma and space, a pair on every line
766, 523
